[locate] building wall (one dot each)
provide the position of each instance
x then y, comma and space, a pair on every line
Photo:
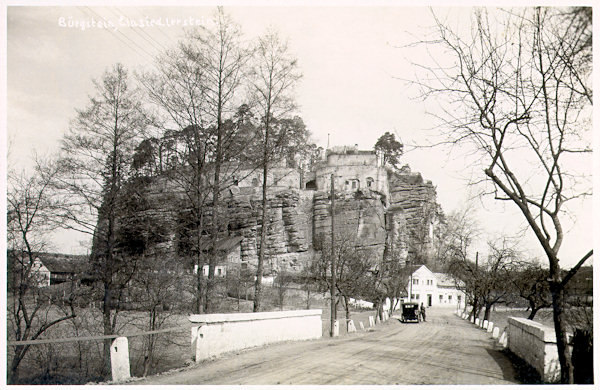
276, 177
345, 174
350, 158
425, 282
42, 273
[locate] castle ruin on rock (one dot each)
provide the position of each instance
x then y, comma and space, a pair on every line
381, 207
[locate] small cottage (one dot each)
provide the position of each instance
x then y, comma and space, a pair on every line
229, 253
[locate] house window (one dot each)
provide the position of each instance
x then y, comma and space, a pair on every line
255, 182
244, 265
449, 298
412, 296
219, 271
415, 282
441, 298
369, 181
429, 282
353, 184
417, 296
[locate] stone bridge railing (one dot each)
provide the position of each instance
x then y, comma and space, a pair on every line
214, 334
536, 344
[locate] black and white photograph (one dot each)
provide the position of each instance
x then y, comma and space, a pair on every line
297, 193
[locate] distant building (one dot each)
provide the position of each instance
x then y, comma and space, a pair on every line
229, 255
50, 268
64, 268
435, 289
352, 169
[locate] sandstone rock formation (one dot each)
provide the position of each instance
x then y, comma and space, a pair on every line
384, 218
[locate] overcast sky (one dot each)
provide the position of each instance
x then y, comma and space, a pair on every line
352, 59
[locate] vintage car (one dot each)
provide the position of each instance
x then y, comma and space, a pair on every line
410, 312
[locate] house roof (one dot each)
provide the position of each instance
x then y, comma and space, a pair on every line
223, 245
444, 280
54, 262
63, 263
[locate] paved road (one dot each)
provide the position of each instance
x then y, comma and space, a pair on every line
443, 350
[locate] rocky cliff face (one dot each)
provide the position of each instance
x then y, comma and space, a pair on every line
297, 219
288, 238
360, 218
413, 207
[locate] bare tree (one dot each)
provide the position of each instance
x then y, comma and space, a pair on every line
274, 78
453, 239
495, 284
95, 163
531, 283
196, 91
355, 267
486, 283
220, 55
155, 291
518, 89
394, 275
282, 283
29, 218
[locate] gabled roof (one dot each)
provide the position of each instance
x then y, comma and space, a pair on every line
54, 262
444, 280
63, 263
223, 245
424, 269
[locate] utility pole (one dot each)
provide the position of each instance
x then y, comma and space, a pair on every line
332, 290
410, 270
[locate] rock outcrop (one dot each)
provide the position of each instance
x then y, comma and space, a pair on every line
297, 219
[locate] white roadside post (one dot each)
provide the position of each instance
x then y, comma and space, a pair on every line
351, 327
119, 359
371, 321
336, 328
496, 332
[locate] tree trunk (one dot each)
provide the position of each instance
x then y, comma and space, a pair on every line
199, 289
558, 305
107, 328
534, 311
263, 229
486, 315
13, 373
347, 308
474, 312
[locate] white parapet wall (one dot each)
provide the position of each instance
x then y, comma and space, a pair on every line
214, 334
536, 344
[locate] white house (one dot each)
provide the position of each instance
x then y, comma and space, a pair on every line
229, 255
435, 289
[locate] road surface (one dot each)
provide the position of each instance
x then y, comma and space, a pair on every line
444, 350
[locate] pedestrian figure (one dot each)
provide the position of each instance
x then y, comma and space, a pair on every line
423, 312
